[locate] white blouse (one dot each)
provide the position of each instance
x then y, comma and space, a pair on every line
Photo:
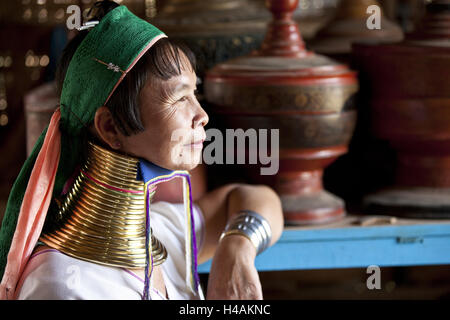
52, 275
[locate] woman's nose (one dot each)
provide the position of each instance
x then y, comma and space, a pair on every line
201, 117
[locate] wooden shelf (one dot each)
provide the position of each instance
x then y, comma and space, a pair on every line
348, 244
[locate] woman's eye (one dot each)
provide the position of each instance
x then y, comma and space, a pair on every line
182, 99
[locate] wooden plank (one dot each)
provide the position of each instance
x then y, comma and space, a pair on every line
408, 243
355, 254
353, 233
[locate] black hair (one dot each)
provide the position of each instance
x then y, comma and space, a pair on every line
162, 61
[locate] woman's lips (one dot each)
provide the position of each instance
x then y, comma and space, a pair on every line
195, 145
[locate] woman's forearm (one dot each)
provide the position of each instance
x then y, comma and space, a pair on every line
221, 204
233, 274
261, 199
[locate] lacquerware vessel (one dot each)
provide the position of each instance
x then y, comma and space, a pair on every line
218, 30
307, 97
409, 87
39, 103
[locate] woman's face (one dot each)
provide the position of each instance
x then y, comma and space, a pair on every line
173, 120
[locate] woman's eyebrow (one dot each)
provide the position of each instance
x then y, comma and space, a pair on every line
180, 90
173, 92
182, 87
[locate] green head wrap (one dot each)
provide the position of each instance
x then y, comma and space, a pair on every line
100, 62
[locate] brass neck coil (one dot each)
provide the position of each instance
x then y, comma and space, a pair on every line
104, 213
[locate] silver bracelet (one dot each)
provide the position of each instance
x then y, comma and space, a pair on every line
251, 225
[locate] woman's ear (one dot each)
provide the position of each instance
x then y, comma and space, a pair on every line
106, 128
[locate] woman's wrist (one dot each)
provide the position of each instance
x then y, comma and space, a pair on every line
239, 246
251, 225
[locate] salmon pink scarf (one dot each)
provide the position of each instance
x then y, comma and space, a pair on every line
34, 208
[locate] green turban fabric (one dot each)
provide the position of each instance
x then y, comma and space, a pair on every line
101, 61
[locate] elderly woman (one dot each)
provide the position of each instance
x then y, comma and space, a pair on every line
80, 223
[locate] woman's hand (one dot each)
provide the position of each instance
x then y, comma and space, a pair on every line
233, 274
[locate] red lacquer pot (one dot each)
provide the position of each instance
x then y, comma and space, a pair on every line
409, 87
307, 97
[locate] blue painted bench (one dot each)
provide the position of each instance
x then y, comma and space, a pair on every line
348, 244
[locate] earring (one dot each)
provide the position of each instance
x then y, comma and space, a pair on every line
117, 144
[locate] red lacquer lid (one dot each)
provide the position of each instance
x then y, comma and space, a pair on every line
284, 62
